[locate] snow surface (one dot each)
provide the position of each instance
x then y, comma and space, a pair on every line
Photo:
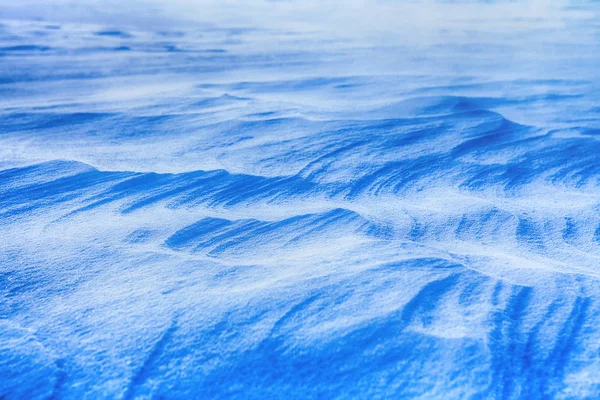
299, 200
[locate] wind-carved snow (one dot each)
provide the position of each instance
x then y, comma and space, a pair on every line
284, 202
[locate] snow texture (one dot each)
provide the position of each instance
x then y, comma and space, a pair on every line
299, 200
